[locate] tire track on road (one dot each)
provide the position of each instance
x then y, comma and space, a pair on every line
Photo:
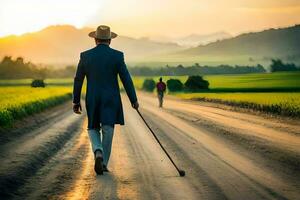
266, 184
286, 158
60, 172
23, 157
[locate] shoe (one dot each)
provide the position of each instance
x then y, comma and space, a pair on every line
98, 162
105, 168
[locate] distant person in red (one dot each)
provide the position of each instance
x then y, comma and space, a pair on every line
161, 88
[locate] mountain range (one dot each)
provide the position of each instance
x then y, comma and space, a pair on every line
194, 40
61, 45
256, 47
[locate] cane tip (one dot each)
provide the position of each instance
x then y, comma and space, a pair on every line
181, 172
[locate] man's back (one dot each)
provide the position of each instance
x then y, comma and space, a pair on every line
102, 65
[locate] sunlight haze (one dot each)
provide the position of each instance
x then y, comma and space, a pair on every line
149, 18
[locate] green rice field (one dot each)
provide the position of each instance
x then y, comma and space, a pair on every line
17, 102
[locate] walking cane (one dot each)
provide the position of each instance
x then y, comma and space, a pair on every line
180, 171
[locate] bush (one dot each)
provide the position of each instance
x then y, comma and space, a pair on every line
174, 85
149, 85
38, 83
196, 83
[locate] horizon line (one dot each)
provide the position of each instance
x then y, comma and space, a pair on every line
149, 37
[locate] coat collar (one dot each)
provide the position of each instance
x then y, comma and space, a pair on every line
102, 45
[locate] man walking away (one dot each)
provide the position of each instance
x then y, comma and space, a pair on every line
101, 66
161, 88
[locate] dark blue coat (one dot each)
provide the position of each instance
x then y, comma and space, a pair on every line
101, 66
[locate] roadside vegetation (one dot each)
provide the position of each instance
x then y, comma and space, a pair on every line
17, 102
174, 85
287, 104
149, 85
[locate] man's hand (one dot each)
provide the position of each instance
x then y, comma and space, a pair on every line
77, 108
135, 105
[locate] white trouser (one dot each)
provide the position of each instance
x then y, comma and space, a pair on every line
105, 143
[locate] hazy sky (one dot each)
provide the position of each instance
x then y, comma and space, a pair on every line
151, 18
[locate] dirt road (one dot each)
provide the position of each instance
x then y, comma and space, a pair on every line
226, 155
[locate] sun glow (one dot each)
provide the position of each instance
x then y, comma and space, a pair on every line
18, 16
150, 18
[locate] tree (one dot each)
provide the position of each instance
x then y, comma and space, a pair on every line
174, 85
277, 65
38, 83
148, 85
195, 83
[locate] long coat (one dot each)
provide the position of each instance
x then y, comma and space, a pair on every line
101, 66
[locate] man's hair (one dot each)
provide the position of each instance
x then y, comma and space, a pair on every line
160, 79
103, 40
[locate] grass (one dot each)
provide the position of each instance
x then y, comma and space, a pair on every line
280, 103
17, 102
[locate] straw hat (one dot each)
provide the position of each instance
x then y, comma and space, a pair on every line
103, 32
